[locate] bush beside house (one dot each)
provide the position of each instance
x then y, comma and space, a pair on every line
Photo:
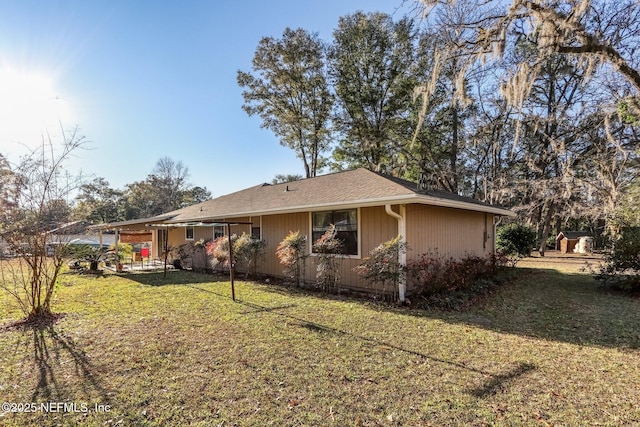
427, 275
515, 241
291, 254
621, 269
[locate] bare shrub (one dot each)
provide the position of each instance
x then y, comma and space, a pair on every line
30, 194
291, 253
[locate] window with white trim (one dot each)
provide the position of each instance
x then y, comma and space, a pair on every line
346, 223
218, 231
188, 233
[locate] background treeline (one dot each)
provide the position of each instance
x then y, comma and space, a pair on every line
523, 107
533, 107
166, 188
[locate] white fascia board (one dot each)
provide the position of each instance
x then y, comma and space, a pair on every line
457, 204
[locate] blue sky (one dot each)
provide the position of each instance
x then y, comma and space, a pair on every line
147, 79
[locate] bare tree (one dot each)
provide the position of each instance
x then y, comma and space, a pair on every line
169, 178
35, 185
601, 34
165, 189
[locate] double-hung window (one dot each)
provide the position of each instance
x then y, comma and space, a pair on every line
346, 223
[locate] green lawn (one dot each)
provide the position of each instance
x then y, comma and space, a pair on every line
547, 349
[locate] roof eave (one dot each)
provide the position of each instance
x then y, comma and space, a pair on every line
123, 224
458, 204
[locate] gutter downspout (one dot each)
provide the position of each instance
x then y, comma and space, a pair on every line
402, 256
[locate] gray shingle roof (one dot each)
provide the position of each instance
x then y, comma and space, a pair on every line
358, 187
355, 187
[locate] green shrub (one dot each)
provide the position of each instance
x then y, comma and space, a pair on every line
515, 239
125, 250
91, 255
621, 268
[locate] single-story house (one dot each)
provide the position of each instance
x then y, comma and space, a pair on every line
574, 242
368, 208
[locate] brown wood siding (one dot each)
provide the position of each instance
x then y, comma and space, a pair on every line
202, 233
135, 237
375, 227
242, 228
176, 237
452, 232
274, 229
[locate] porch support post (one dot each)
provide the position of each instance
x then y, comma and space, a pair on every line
402, 255
165, 234
233, 288
116, 242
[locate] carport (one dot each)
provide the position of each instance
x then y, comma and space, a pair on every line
130, 229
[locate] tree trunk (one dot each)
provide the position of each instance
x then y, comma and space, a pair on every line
558, 229
546, 228
453, 159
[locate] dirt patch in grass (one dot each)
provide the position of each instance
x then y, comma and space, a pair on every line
549, 349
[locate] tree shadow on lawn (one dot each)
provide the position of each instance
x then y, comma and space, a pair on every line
57, 380
176, 277
557, 306
494, 381
540, 303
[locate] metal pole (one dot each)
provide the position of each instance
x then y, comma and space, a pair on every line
233, 290
115, 247
165, 233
